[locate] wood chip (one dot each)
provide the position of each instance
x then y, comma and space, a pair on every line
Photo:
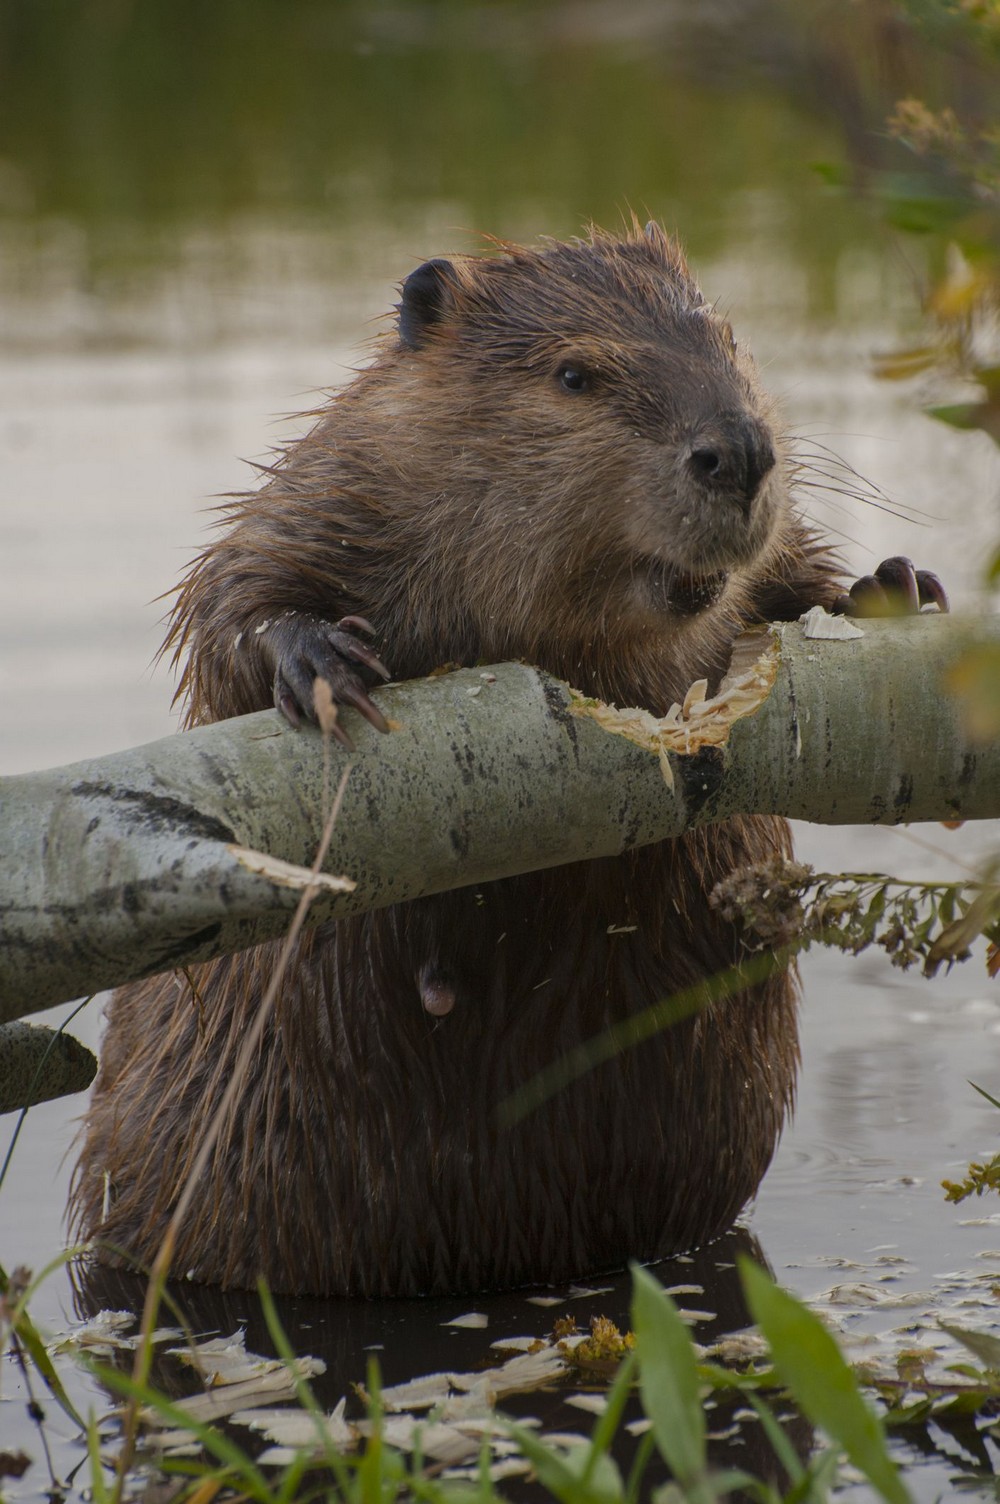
819, 624
699, 722
594, 1404
288, 874
474, 1320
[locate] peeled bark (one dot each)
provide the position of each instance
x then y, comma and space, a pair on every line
149, 859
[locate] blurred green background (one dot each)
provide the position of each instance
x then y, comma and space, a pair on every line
128, 127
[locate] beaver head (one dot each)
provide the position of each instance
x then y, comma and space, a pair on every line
559, 453
581, 413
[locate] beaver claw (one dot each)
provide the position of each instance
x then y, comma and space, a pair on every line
306, 648
895, 589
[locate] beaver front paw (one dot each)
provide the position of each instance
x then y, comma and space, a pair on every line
307, 648
895, 589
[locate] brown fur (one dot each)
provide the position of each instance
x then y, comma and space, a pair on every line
476, 512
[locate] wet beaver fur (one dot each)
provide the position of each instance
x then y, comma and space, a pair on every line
559, 454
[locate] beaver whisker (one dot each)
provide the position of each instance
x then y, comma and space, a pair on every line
825, 461
826, 490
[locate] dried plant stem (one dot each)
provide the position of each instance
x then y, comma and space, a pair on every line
160, 1270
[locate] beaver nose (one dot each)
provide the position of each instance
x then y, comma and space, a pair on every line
732, 455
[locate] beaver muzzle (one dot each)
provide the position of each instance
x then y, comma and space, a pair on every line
730, 457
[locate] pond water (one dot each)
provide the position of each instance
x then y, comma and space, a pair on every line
196, 238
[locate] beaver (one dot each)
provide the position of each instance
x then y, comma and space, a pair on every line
558, 454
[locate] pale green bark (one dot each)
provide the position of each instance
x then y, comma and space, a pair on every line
129, 864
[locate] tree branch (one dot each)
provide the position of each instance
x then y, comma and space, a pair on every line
147, 859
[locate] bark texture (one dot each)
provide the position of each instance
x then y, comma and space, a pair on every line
133, 864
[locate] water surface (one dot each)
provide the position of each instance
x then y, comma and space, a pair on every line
195, 241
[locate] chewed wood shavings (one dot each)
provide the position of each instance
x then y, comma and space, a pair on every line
417, 1394
224, 1360
105, 1333
278, 1383
594, 1404
699, 721
821, 626
287, 874
451, 1415
519, 1344
298, 1428
472, 1320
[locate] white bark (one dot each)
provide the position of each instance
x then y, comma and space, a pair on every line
138, 862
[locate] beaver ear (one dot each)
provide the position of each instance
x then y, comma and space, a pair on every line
428, 293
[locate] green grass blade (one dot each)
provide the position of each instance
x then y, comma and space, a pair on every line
570, 1476
26, 1333
984, 1093
303, 1389
608, 1422
668, 1379
981, 1344
640, 1462
100, 1493
225, 1451
809, 1361
735, 1482
780, 1444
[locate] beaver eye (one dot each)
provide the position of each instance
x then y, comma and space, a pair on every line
572, 378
